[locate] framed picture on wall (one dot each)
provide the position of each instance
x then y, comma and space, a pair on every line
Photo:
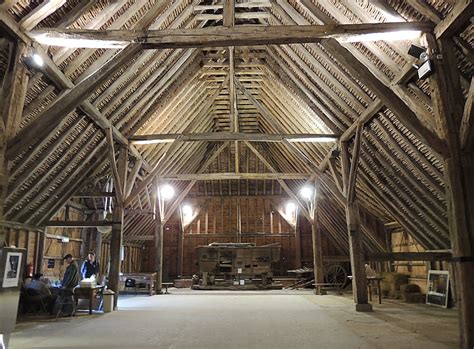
438, 288
12, 272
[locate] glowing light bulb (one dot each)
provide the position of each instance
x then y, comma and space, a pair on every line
38, 60
306, 192
167, 191
290, 209
187, 211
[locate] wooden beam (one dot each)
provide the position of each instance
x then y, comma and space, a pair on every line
159, 227
20, 226
92, 194
40, 247
218, 36
386, 95
282, 183
113, 167
13, 90
78, 224
408, 256
44, 123
316, 237
363, 119
456, 20
139, 238
448, 110
351, 205
467, 123
188, 188
233, 176
352, 180
231, 136
133, 177
158, 170
116, 242
70, 17
359, 282
335, 175
39, 13
52, 71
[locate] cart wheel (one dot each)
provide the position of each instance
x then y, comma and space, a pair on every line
336, 274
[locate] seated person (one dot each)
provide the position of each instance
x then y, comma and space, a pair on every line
90, 267
41, 291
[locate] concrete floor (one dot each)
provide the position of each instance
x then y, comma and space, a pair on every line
230, 319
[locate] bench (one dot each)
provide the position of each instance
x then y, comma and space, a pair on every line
166, 285
327, 286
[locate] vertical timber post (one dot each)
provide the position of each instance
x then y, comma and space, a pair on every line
456, 127
116, 241
359, 279
297, 245
159, 254
41, 242
316, 239
159, 226
12, 99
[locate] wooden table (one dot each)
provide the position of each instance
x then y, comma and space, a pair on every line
371, 280
376, 280
87, 293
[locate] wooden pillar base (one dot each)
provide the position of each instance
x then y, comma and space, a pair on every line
367, 307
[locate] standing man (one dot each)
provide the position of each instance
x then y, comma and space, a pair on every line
71, 276
90, 266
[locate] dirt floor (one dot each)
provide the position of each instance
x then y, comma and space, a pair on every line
251, 319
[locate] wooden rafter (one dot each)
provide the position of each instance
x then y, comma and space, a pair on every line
455, 20
185, 192
219, 36
231, 136
234, 176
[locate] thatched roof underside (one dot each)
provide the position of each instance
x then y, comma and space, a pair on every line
303, 86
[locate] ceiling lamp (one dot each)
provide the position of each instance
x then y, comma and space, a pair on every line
306, 192
290, 209
187, 211
37, 60
167, 192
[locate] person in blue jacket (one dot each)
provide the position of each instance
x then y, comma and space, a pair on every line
90, 266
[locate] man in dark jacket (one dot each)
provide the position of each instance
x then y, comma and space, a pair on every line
90, 266
71, 276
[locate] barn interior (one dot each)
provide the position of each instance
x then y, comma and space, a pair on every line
251, 174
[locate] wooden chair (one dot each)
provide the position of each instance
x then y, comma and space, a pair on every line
34, 299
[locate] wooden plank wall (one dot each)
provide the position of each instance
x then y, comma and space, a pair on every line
55, 249
23, 239
132, 255
132, 258
217, 222
417, 271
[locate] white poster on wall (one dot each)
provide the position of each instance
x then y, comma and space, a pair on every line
12, 269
